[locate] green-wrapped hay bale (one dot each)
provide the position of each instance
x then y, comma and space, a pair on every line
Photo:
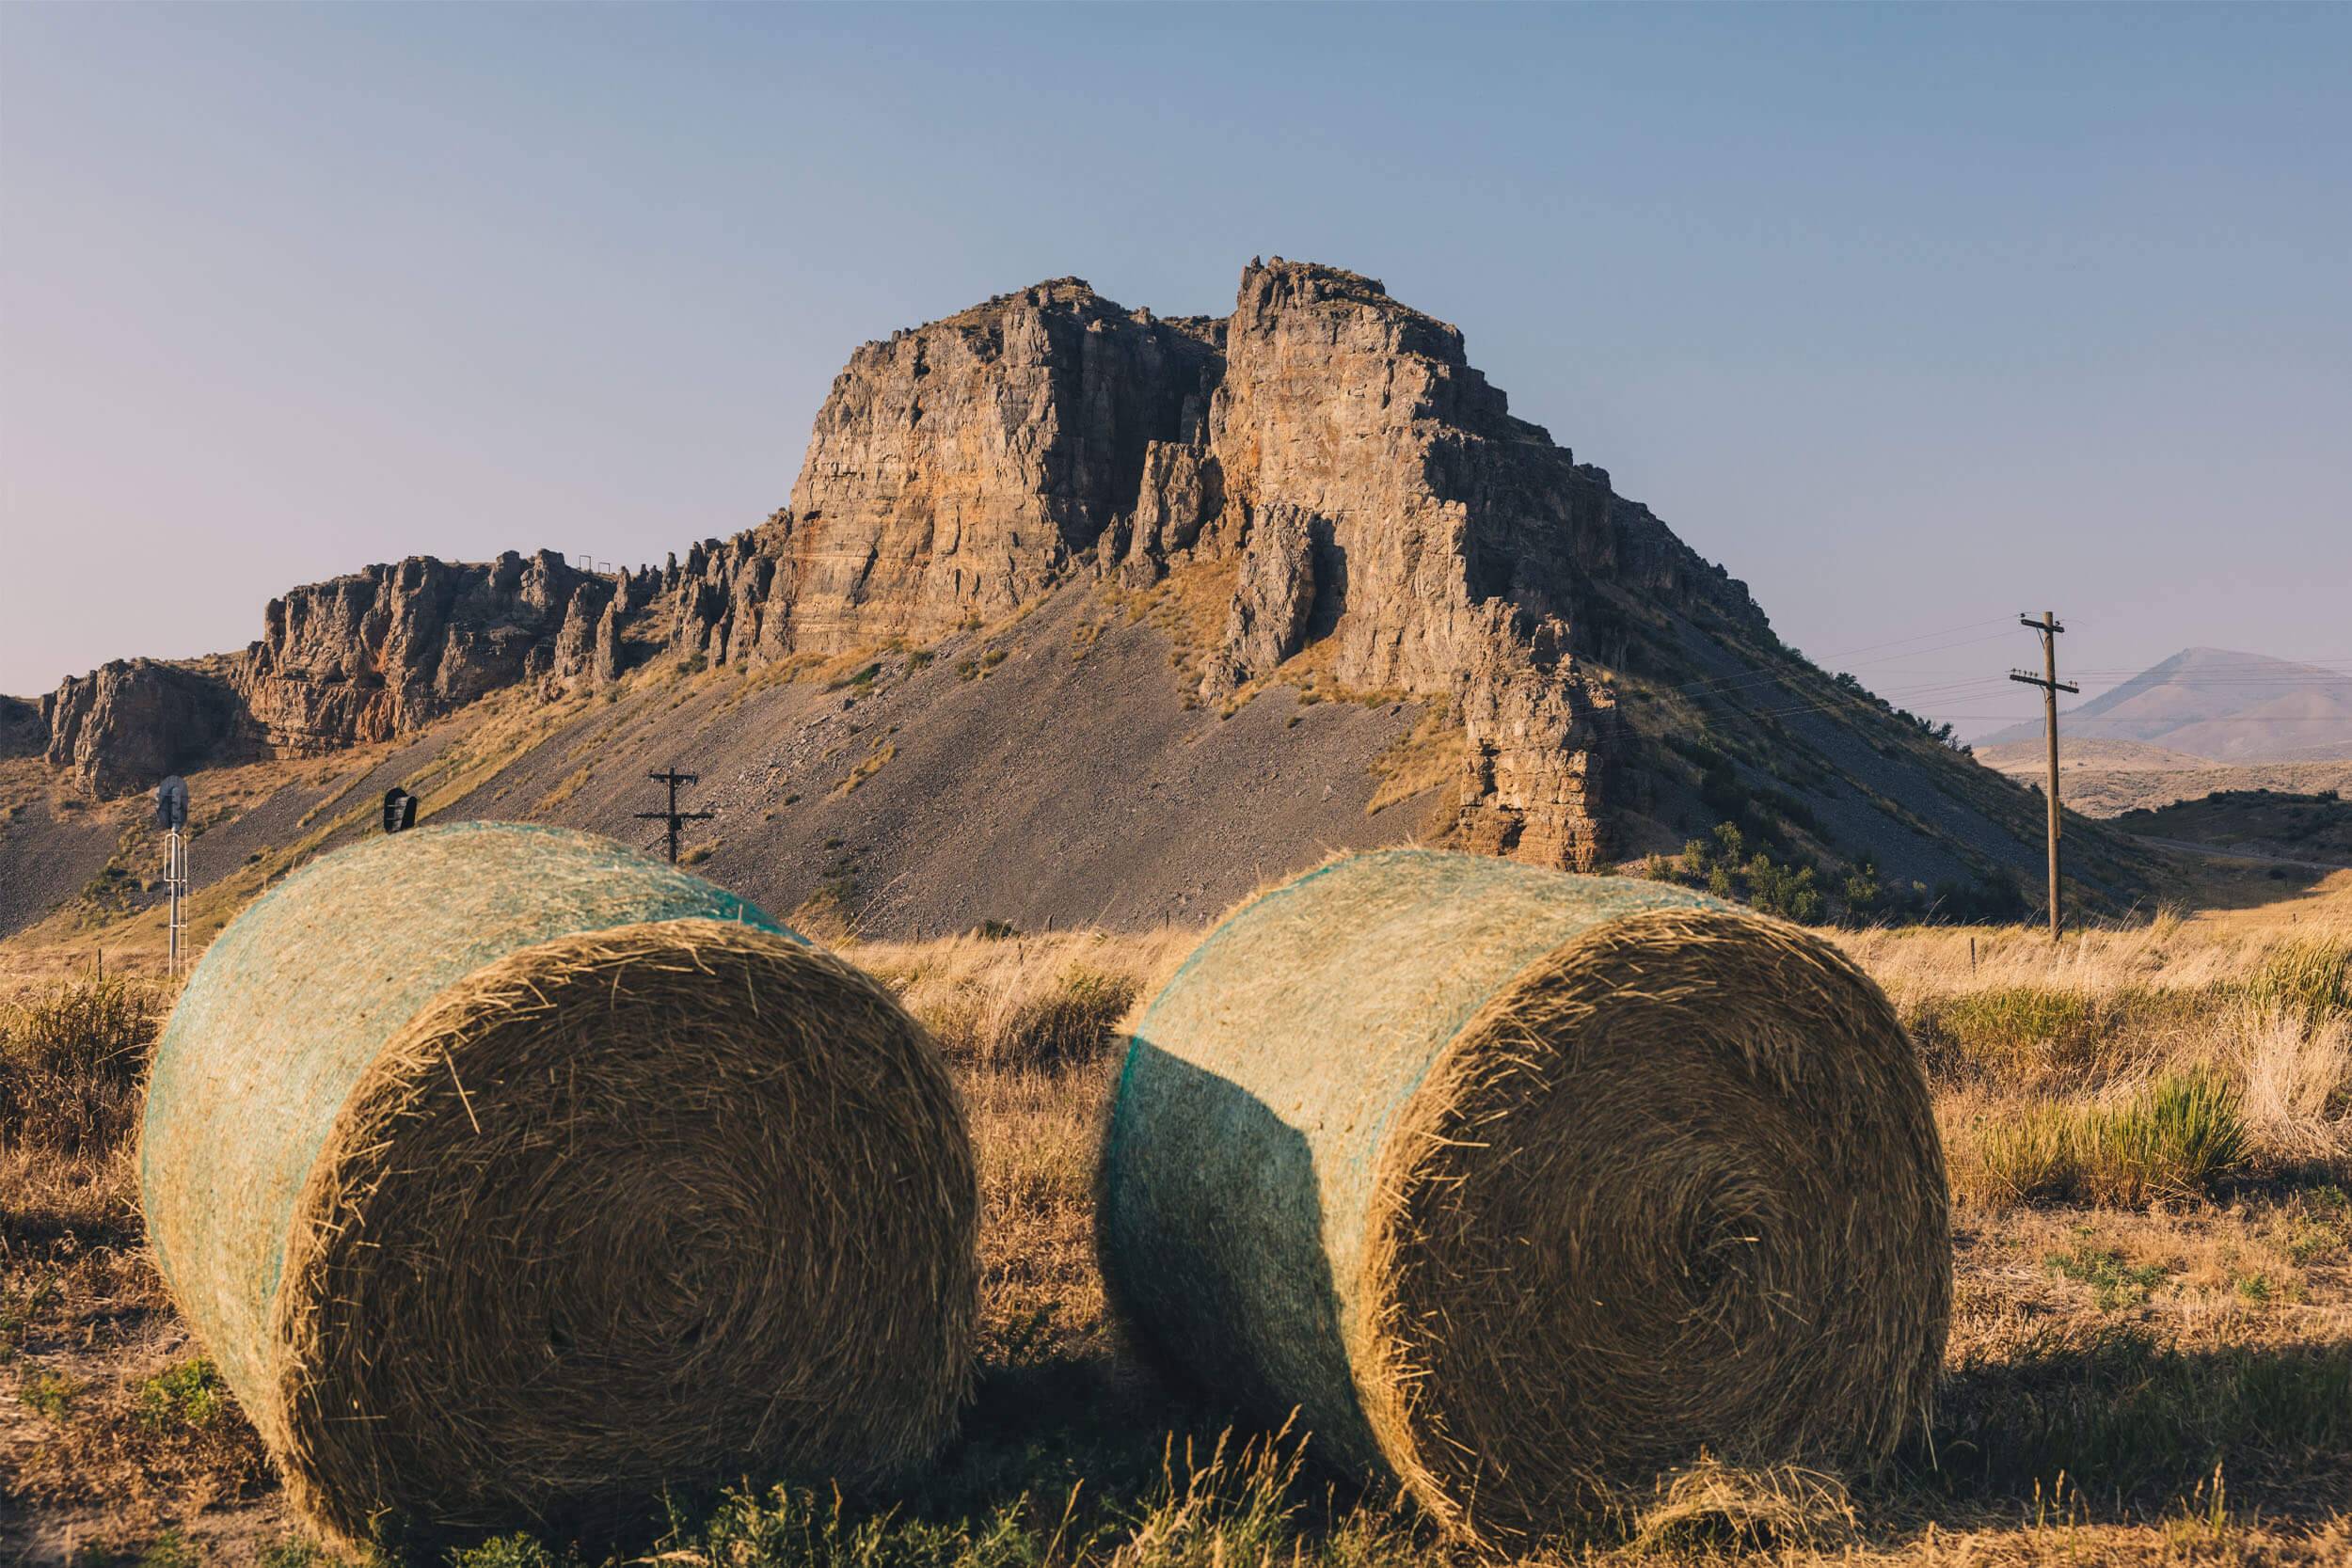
1521, 1187
514, 1179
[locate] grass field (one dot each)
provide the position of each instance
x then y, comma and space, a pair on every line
2151, 1136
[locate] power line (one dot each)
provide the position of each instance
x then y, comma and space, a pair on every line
1868, 647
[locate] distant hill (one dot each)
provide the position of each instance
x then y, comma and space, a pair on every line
2108, 778
2217, 704
2315, 828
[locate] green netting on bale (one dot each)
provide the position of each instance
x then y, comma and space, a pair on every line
1500, 1177
511, 1178
307, 986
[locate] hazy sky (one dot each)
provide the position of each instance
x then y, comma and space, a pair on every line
1911, 317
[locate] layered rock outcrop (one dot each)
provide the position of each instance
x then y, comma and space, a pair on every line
382, 652
1336, 446
126, 724
956, 470
1376, 488
1460, 552
368, 657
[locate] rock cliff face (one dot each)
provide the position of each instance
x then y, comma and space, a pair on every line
1366, 483
126, 724
382, 652
1375, 487
363, 657
958, 469
23, 733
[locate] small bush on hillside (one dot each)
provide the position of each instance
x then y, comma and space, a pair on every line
1730, 870
1863, 895
71, 1060
1786, 891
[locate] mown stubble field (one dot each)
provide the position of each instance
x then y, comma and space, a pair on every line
2149, 1132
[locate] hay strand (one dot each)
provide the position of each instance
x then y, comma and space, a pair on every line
514, 1179
1523, 1187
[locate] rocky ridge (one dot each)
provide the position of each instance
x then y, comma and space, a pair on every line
1330, 445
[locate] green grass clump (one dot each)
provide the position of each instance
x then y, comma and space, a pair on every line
49, 1395
190, 1393
171, 1550
512, 1551
2113, 1282
1067, 1017
2025, 1034
2312, 977
1238, 1505
2184, 1135
1999, 1029
2178, 1139
19, 1304
1073, 1021
298, 1553
2315, 1226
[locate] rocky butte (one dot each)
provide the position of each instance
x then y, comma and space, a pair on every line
1333, 445
1337, 501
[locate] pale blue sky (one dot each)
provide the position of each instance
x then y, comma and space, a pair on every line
1913, 317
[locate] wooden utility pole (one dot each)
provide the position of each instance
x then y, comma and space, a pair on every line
674, 817
2051, 685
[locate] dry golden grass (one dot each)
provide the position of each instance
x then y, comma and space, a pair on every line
1431, 755
2069, 1056
1190, 605
2174, 950
102, 1402
2102, 1360
1019, 1000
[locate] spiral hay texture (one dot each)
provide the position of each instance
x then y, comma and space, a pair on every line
513, 1178
1520, 1187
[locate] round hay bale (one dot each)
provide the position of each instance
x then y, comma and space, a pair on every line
1520, 1187
511, 1178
